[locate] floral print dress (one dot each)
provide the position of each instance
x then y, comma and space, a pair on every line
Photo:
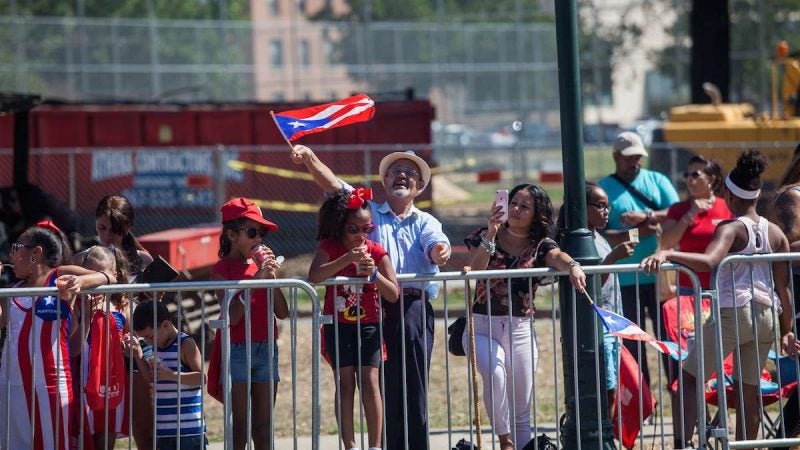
522, 290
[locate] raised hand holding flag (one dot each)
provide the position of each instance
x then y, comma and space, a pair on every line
296, 123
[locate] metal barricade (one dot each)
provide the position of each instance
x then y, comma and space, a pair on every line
448, 399
68, 416
448, 415
767, 432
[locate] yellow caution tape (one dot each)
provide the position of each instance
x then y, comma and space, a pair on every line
302, 175
276, 205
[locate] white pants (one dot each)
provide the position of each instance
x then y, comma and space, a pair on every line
504, 381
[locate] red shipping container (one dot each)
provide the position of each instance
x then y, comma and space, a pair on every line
115, 128
167, 128
185, 248
228, 127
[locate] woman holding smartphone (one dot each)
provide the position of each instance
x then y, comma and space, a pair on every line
522, 241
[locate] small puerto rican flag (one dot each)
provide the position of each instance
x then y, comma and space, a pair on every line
297, 123
624, 328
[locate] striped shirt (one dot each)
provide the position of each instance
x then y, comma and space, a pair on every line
168, 419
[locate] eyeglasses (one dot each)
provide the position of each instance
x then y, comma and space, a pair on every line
694, 175
355, 229
252, 232
16, 246
600, 207
409, 171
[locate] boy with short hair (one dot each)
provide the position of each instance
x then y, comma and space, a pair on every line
165, 340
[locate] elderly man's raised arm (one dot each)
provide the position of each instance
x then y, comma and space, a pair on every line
323, 176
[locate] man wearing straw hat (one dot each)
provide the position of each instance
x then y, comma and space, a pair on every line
416, 244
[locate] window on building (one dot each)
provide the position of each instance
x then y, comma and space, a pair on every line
327, 51
273, 7
278, 97
276, 53
307, 96
301, 6
304, 53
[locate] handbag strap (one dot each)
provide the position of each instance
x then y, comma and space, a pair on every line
636, 193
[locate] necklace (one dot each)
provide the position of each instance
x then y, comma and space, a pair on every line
517, 235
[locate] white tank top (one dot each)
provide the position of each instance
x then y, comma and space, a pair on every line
736, 285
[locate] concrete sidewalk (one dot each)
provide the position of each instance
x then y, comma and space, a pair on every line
442, 440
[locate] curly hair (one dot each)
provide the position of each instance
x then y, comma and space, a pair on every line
749, 167
333, 215
543, 225
713, 169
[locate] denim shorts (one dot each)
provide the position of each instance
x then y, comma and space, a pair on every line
611, 348
260, 366
195, 442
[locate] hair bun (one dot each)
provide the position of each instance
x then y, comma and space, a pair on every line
751, 163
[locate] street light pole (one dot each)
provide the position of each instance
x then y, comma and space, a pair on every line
586, 425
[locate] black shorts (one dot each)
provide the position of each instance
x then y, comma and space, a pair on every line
348, 345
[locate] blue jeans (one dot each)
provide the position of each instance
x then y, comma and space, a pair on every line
195, 442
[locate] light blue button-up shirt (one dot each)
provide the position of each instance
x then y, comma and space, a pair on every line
408, 241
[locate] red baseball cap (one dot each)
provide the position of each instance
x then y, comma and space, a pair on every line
243, 208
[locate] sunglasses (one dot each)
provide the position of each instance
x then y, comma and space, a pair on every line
410, 172
253, 232
16, 246
601, 207
355, 229
693, 175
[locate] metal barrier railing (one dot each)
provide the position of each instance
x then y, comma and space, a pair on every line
773, 432
448, 399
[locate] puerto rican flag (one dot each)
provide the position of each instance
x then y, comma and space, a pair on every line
624, 328
300, 122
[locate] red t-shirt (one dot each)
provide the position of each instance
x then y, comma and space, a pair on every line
698, 235
346, 295
232, 269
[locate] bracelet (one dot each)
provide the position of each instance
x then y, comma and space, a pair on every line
573, 263
108, 279
649, 216
374, 275
489, 246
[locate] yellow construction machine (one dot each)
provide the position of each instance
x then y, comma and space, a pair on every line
720, 131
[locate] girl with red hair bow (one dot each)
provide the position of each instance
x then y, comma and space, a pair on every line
345, 220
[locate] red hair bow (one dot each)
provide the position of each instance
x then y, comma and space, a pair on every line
358, 197
48, 224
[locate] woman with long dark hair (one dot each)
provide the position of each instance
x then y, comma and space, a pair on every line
37, 343
524, 240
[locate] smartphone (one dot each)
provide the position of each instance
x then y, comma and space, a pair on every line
501, 199
633, 235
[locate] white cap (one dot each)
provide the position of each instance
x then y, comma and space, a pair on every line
629, 143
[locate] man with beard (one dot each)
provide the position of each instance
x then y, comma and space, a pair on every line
639, 198
416, 244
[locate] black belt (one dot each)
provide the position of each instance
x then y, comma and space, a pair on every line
412, 292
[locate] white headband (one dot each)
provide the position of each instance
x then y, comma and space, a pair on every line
739, 192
